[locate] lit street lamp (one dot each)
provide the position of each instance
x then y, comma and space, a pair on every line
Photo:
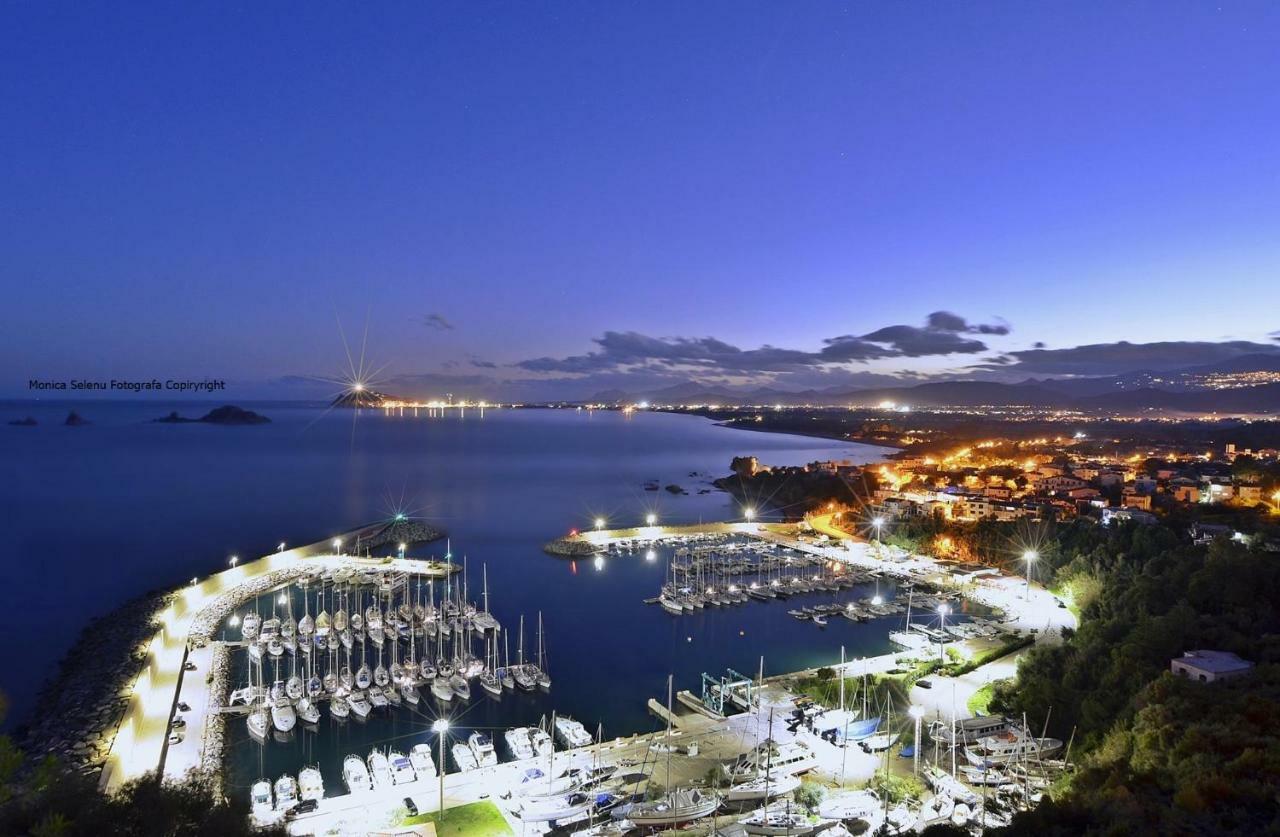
337, 546
441, 727
916, 712
650, 519
599, 523
402, 546
877, 523
280, 548
749, 513
233, 560
943, 610
1029, 556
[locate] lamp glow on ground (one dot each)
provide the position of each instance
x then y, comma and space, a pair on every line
1030, 557
916, 712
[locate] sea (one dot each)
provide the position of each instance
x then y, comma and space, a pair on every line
103, 512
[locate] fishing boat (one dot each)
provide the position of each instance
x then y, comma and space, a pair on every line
519, 743
482, 746
420, 758
380, 769
286, 792
310, 784
260, 798
402, 771
356, 775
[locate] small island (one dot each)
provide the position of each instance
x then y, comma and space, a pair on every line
24, 422
74, 419
229, 415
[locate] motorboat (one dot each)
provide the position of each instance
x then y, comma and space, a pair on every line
359, 704
460, 686
409, 692
283, 717
519, 743
463, 757
250, 626
1014, 745
356, 775
968, 730
542, 743
260, 798
402, 771
286, 792
308, 712
482, 746
783, 819
420, 758
552, 808
441, 689
380, 769
377, 699
339, 708
310, 784
770, 757
572, 733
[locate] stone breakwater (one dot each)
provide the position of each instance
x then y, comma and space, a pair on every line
396, 532
215, 730
80, 708
210, 618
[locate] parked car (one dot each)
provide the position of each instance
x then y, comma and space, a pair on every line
410, 807
924, 684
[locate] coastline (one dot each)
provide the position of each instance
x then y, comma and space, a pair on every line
729, 424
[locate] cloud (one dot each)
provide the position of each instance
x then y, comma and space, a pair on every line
617, 350
437, 322
1117, 358
483, 364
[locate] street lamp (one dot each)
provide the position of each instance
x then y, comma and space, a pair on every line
1029, 556
337, 546
280, 548
650, 519
441, 727
916, 712
402, 547
877, 523
749, 513
233, 560
599, 523
943, 610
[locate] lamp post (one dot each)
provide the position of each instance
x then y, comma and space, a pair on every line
877, 522
402, 547
943, 610
650, 519
749, 513
599, 523
337, 546
1029, 556
441, 727
916, 712
280, 548
233, 560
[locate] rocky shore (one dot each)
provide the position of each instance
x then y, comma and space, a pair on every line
396, 532
79, 710
571, 547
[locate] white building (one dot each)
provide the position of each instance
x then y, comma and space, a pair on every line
1207, 666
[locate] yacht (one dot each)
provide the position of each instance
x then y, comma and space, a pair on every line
356, 775
377, 699
671, 808
258, 722
968, 730
763, 788
402, 771
460, 686
463, 757
482, 746
792, 757
1014, 745
542, 743
572, 733
380, 768
310, 784
286, 792
524, 679
260, 798
250, 626
409, 692
782, 818
420, 758
364, 677
519, 743
339, 709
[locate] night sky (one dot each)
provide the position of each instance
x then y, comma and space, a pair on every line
582, 196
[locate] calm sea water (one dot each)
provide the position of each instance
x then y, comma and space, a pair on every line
100, 513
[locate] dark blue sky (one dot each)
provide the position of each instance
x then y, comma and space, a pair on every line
196, 189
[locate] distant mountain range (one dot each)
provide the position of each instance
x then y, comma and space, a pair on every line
1195, 389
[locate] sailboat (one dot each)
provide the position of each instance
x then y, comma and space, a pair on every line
524, 678
674, 806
